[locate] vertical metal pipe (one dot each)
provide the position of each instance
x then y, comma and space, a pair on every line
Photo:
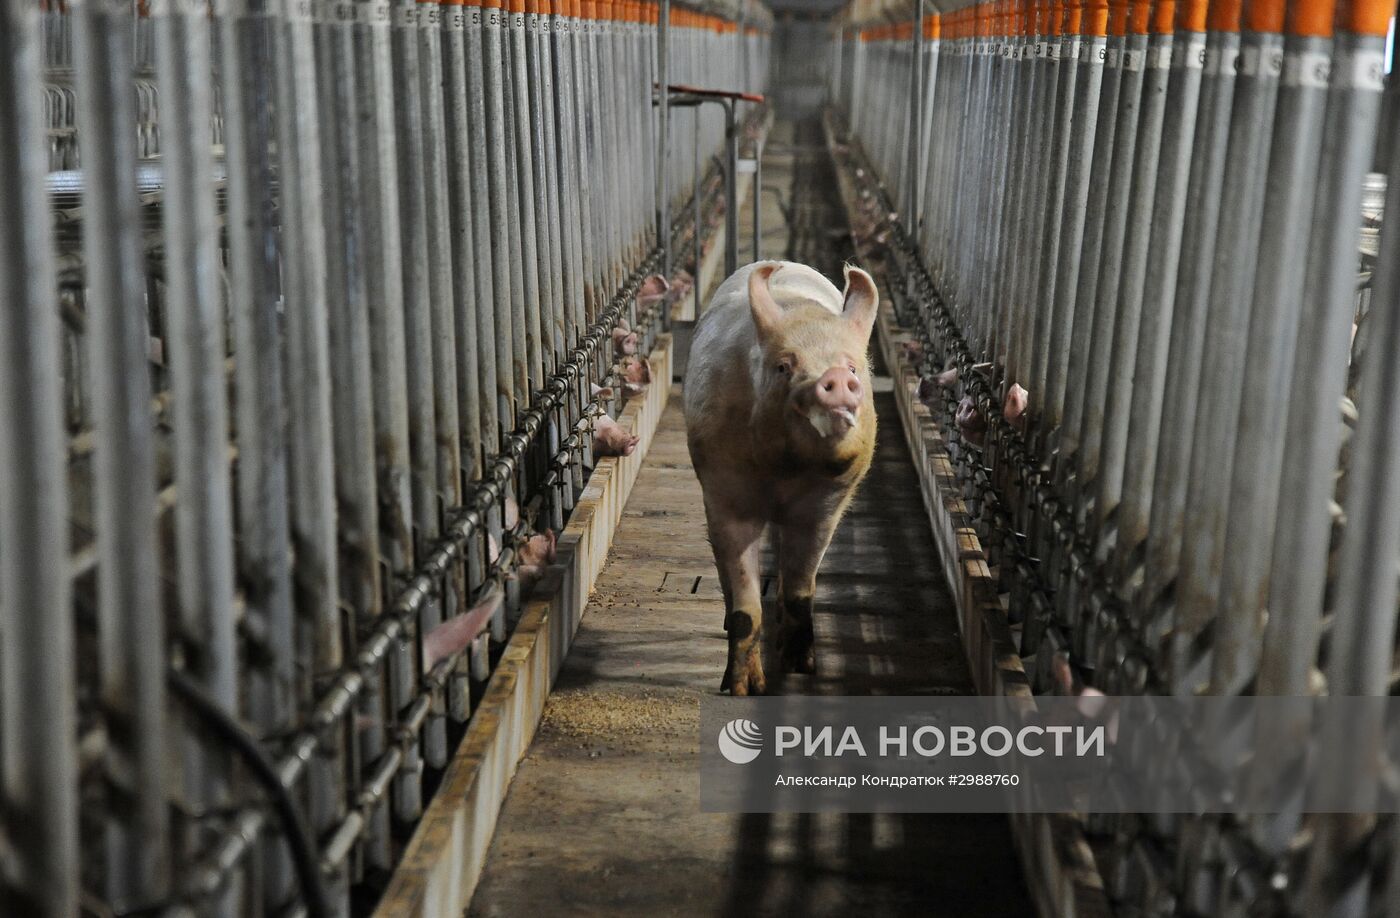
497, 151
378, 150
38, 758
1099, 347
307, 351
1203, 191
527, 343
1164, 253
1363, 633
1085, 298
419, 379
264, 546
466, 576
1027, 141
695, 235
462, 215
731, 188
513, 348
1003, 139
1360, 655
542, 310
585, 158
307, 355
204, 513
1156, 35
1040, 95
447, 445
566, 136
757, 192
1303, 528
252, 269
485, 202
1279, 295
928, 63
663, 133
916, 114
131, 624
560, 205
1232, 280
348, 308
605, 77
1087, 82
349, 316
1055, 129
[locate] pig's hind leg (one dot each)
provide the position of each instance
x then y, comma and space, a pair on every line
800, 550
735, 543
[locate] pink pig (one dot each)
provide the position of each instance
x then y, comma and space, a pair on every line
457, 632
609, 439
635, 373
624, 339
780, 421
680, 285
970, 421
534, 555
653, 290
1014, 407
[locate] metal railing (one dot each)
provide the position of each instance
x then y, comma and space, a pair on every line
313, 306
1129, 235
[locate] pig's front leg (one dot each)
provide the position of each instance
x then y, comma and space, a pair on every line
735, 543
801, 546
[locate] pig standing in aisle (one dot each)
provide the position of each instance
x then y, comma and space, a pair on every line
781, 427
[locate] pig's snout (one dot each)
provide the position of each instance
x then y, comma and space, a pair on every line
838, 389
836, 398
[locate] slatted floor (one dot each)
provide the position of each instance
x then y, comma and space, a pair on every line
603, 817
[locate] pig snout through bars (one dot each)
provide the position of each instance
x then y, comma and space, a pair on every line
780, 422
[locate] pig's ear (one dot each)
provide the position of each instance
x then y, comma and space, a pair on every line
862, 299
767, 314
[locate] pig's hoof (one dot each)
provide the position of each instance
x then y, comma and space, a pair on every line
744, 677
798, 655
800, 660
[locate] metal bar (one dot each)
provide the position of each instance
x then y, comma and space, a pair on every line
418, 344
529, 367
38, 758
264, 549
462, 215
731, 191
1085, 299
339, 695
1086, 87
497, 152
1288, 209
131, 624
1232, 279
663, 133
1155, 29
379, 152
443, 366
1158, 309
1303, 527
204, 513
1203, 190
484, 439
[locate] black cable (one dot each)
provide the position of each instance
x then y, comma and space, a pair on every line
305, 858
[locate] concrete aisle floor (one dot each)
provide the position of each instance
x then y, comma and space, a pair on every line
603, 817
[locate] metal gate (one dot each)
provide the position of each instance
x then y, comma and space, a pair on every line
1131, 236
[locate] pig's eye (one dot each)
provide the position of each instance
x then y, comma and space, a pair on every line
784, 368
